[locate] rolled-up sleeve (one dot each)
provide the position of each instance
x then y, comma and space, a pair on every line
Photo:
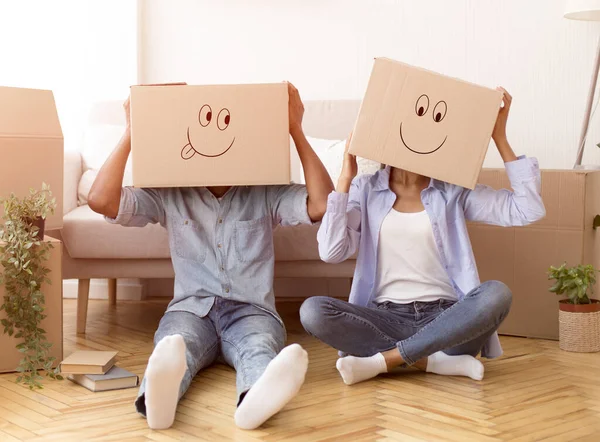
339, 233
139, 207
289, 205
521, 206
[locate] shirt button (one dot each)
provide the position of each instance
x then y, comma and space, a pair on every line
219, 245
220, 221
186, 221
222, 268
226, 290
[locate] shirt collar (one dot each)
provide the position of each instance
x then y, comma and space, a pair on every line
382, 180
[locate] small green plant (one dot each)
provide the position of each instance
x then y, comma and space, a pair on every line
38, 204
574, 282
22, 257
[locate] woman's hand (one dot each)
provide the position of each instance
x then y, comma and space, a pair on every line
349, 169
499, 132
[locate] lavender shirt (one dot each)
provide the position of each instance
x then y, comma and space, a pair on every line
353, 222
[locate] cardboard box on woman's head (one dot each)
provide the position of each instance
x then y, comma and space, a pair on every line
425, 122
210, 135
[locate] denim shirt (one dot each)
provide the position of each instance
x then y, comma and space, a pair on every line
218, 247
353, 221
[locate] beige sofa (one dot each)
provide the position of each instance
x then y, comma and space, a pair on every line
97, 249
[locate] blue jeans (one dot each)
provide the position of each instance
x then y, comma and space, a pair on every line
417, 330
242, 335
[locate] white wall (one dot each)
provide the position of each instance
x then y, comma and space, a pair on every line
84, 51
326, 48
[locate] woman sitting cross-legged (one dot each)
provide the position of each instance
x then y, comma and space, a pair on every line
416, 298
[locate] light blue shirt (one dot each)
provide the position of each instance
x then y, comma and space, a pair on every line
352, 222
218, 247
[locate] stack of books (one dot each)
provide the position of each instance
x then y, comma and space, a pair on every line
96, 371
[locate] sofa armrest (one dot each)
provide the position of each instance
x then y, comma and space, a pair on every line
73, 168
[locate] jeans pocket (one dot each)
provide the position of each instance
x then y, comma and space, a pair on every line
254, 239
189, 239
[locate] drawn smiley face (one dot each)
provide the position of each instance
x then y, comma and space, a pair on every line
432, 127
205, 118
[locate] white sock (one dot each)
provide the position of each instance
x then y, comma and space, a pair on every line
165, 371
280, 382
355, 369
463, 365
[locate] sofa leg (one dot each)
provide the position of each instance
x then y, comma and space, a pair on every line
112, 292
83, 294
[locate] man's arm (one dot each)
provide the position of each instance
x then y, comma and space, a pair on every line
318, 181
105, 194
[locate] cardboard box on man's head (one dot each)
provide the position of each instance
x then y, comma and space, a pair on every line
425, 123
210, 135
31, 147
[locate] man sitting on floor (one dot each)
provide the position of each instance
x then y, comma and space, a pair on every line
221, 241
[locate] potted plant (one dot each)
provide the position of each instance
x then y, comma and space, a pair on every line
32, 209
579, 315
23, 254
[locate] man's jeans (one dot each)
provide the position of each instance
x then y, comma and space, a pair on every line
244, 336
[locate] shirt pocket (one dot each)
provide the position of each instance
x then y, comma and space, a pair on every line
189, 240
254, 239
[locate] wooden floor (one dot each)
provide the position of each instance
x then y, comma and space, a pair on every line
536, 392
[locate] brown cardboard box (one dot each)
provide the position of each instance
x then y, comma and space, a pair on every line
210, 135
521, 256
31, 146
53, 324
425, 122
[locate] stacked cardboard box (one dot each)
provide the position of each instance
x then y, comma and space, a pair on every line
521, 256
31, 148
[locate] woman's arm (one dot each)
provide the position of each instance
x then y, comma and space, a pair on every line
524, 204
339, 234
318, 181
499, 132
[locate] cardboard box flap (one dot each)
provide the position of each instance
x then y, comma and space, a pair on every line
28, 113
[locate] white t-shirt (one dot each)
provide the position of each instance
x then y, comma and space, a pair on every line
408, 263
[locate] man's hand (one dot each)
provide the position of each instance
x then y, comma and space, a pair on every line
296, 110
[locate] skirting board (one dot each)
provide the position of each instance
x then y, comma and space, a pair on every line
127, 289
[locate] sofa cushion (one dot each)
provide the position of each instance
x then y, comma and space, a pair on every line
331, 154
87, 235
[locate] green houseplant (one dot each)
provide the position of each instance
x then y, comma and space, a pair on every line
579, 314
23, 254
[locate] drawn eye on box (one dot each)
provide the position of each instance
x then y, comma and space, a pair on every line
424, 122
222, 138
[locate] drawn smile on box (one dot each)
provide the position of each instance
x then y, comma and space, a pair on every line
421, 108
205, 118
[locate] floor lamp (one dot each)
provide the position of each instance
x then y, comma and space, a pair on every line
587, 10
